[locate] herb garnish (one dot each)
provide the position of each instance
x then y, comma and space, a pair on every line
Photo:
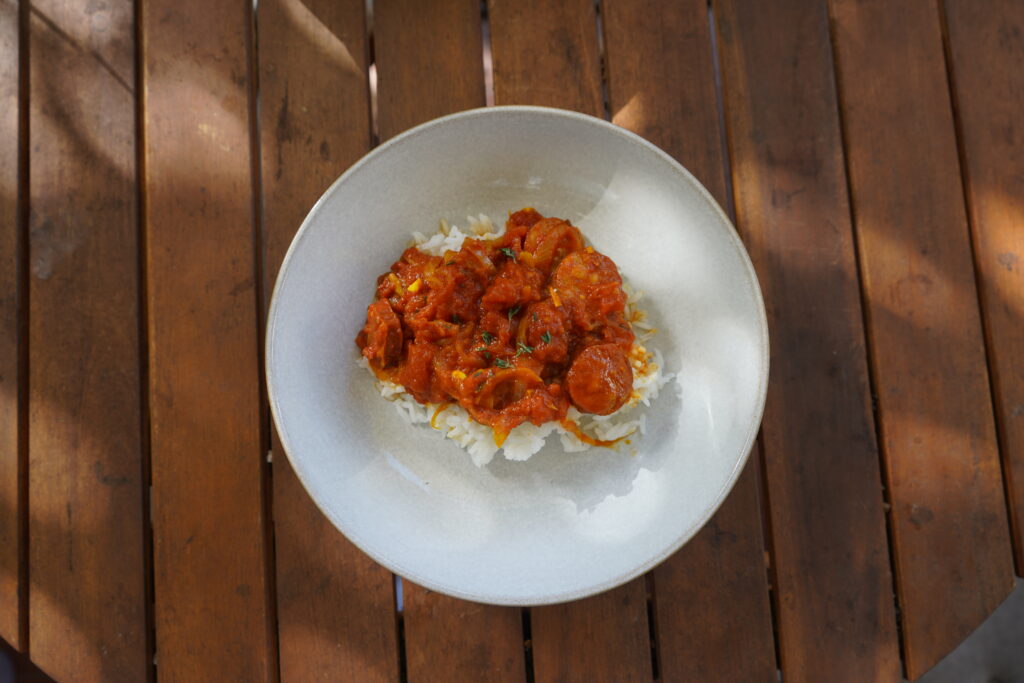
487, 336
502, 363
546, 337
508, 252
523, 348
512, 311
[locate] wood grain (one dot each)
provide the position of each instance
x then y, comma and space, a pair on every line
986, 55
950, 534
601, 638
429, 61
547, 54
336, 618
834, 606
445, 638
87, 575
10, 313
455, 640
212, 608
713, 616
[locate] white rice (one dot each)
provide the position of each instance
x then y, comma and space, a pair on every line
450, 237
526, 439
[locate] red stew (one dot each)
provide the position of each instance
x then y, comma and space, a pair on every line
513, 329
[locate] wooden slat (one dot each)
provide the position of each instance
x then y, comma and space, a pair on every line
429, 61
834, 605
601, 638
207, 457
336, 618
713, 617
547, 54
420, 79
986, 50
950, 534
87, 573
454, 640
10, 294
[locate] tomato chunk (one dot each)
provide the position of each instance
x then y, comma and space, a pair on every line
381, 337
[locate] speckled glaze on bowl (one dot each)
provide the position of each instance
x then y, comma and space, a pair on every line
559, 526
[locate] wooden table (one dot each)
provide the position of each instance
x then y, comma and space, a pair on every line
156, 158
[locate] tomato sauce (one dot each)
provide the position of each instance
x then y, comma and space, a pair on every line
513, 329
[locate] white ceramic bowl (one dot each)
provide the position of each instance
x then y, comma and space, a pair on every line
558, 526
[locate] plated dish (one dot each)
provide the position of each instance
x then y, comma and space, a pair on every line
565, 524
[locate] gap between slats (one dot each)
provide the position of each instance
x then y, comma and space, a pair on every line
371, 77
769, 550
23, 320
266, 466
403, 668
979, 285
528, 645
485, 27
143, 303
603, 63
